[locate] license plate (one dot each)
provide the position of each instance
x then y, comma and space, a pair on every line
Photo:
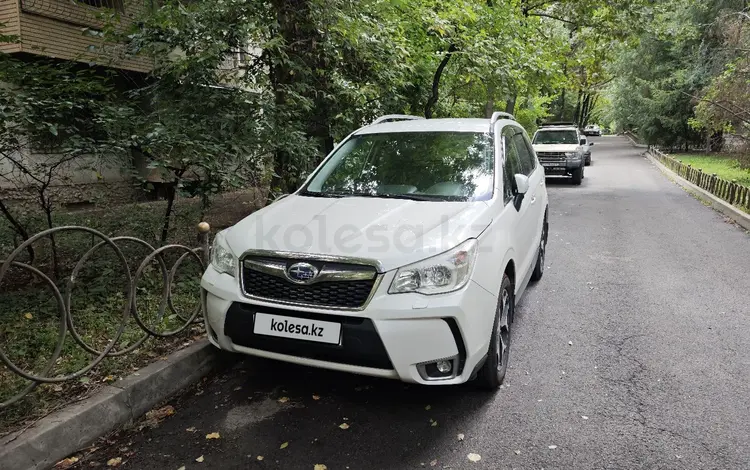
297, 328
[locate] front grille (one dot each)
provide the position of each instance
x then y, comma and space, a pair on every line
551, 157
348, 294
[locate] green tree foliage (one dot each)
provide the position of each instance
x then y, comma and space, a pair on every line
680, 59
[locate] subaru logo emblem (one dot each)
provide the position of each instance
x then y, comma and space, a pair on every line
302, 273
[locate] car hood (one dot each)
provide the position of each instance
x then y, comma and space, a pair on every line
394, 232
555, 147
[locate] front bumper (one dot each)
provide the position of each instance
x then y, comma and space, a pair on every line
562, 168
390, 337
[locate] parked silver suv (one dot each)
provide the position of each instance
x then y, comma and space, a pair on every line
561, 150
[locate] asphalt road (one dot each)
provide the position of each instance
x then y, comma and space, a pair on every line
633, 352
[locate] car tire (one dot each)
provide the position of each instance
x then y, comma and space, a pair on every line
536, 276
492, 373
578, 176
588, 160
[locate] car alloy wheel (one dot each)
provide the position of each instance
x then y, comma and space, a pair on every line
502, 348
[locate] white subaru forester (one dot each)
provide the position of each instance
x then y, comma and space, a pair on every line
401, 256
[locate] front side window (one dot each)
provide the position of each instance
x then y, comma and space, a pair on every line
431, 166
556, 137
525, 155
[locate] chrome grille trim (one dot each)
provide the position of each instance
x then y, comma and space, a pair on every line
276, 266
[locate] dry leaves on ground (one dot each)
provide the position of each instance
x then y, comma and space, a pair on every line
260, 457
213, 435
474, 457
200, 459
344, 426
114, 462
316, 397
460, 437
283, 399
553, 447
320, 466
66, 463
191, 429
284, 445
433, 463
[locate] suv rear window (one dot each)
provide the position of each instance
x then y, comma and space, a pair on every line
410, 165
556, 137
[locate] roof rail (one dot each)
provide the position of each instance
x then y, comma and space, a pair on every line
559, 124
395, 117
497, 115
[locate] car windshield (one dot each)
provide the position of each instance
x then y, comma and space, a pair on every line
556, 137
425, 166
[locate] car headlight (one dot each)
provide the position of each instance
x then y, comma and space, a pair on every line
446, 272
571, 154
221, 258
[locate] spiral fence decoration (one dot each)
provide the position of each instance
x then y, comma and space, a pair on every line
65, 318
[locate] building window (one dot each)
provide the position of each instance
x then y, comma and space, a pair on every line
112, 4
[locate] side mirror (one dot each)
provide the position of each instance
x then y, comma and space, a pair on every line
522, 187
522, 184
582, 142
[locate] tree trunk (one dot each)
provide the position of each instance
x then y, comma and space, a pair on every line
18, 228
577, 112
171, 193
433, 99
510, 105
489, 105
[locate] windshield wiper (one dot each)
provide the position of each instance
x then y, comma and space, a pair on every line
413, 197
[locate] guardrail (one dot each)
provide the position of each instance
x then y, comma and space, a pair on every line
729, 191
129, 305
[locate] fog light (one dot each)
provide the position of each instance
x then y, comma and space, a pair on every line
444, 367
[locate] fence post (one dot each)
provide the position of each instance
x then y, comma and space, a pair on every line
203, 231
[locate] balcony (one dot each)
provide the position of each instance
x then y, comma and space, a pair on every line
67, 29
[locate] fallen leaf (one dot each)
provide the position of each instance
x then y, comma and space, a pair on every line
28, 316
284, 445
427, 408
316, 397
66, 463
474, 457
190, 429
237, 389
553, 447
160, 413
260, 457
320, 466
434, 423
460, 437
200, 459
344, 426
517, 452
213, 435
433, 463
585, 417
283, 399
181, 468
114, 462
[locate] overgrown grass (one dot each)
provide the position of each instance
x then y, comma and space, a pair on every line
725, 166
30, 319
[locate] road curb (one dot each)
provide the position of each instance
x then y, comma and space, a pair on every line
635, 144
77, 426
716, 203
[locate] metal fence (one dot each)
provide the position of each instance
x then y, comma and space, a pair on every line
130, 304
730, 191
